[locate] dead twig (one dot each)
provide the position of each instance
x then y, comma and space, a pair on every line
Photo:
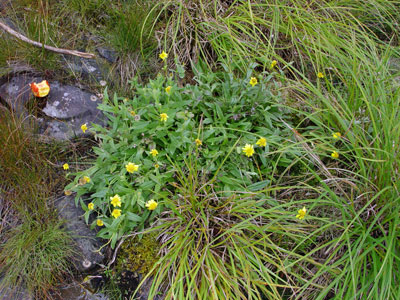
40, 45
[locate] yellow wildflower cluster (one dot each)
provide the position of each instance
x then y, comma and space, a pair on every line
248, 149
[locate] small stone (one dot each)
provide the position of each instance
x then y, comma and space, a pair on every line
86, 264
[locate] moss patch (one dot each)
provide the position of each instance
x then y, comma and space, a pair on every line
138, 254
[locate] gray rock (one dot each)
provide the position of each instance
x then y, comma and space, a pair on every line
16, 92
109, 55
76, 291
69, 107
86, 68
87, 245
18, 293
65, 109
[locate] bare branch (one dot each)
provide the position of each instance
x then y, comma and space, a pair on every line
40, 45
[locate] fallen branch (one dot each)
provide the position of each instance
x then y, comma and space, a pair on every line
40, 45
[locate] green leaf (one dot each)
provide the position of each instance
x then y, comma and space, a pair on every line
258, 185
133, 217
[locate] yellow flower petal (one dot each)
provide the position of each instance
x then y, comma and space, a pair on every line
154, 152
163, 55
90, 206
320, 75
301, 213
168, 89
163, 117
248, 150
335, 154
337, 135
99, 222
131, 167
253, 81
116, 213
151, 204
262, 142
116, 200
65, 166
84, 127
198, 142
273, 64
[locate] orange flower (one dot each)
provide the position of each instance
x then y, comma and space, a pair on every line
40, 89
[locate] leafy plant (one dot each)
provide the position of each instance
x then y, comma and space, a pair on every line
217, 116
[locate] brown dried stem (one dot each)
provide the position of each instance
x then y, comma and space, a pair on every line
40, 45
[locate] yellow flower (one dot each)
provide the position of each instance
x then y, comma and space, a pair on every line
40, 89
168, 89
198, 142
133, 113
84, 127
262, 142
163, 117
131, 167
66, 166
248, 150
68, 192
116, 213
91, 206
320, 75
335, 154
301, 213
336, 135
273, 64
154, 152
99, 222
156, 166
253, 81
116, 200
151, 204
84, 180
163, 55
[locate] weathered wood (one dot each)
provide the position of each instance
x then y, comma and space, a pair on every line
40, 45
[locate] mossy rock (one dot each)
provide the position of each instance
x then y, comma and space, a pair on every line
138, 254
